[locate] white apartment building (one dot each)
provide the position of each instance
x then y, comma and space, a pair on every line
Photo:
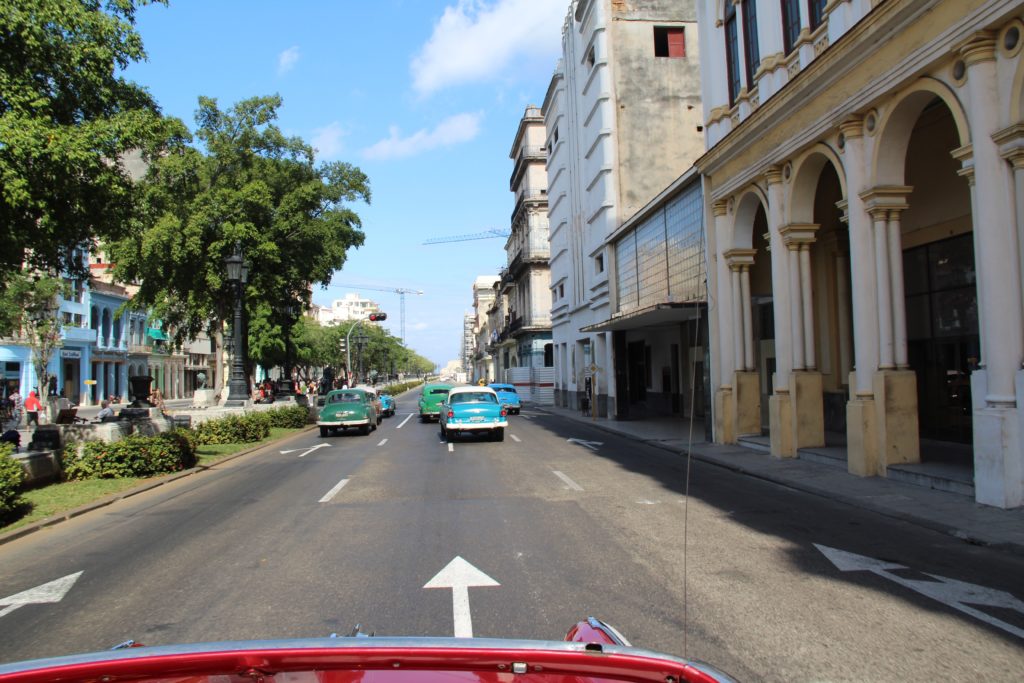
865, 183
623, 122
350, 307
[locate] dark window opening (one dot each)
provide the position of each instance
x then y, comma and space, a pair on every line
817, 12
790, 24
732, 52
753, 52
669, 42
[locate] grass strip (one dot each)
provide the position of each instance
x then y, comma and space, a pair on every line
58, 498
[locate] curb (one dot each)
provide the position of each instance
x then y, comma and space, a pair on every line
1011, 547
128, 493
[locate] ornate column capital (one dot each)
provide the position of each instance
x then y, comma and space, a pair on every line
719, 207
796, 234
980, 47
885, 198
1011, 144
773, 175
852, 127
740, 258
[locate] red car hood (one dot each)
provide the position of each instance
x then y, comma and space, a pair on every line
340, 660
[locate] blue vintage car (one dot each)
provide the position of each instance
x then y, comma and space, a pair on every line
473, 410
387, 402
508, 397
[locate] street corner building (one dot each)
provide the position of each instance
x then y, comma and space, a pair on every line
864, 196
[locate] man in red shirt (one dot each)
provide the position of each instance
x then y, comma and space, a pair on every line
32, 408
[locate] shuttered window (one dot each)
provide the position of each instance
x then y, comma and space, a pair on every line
669, 42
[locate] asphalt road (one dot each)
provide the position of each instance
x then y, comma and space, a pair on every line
253, 549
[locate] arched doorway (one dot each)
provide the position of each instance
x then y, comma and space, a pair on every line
943, 342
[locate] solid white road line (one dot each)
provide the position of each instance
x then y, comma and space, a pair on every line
382, 442
333, 492
515, 438
572, 485
407, 418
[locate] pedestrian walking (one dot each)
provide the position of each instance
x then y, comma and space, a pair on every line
32, 409
15, 399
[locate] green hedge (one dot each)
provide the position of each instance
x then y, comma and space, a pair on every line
11, 477
234, 429
134, 456
291, 417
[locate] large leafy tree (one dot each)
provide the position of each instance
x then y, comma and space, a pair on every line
67, 122
29, 308
245, 183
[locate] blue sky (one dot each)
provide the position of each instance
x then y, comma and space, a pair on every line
423, 95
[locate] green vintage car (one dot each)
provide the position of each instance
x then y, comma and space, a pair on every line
348, 409
431, 398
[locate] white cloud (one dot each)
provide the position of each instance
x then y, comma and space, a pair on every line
327, 141
287, 60
476, 40
451, 131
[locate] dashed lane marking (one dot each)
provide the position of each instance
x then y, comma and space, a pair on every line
333, 492
407, 418
382, 442
451, 447
569, 482
515, 438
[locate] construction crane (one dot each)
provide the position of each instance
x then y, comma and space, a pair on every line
401, 291
485, 235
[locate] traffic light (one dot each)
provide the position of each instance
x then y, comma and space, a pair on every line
377, 317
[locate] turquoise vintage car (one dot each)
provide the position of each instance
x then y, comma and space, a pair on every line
348, 409
508, 396
387, 402
431, 398
473, 410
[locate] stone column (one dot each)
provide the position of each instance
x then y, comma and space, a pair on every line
780, 407
884, 288
748, 323
807, 298
899, 303
739, 336
796, 306
999, 423
746, 404
725, 416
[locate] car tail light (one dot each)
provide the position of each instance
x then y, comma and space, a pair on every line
504, 412
451, 413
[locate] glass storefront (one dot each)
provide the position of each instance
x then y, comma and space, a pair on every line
943, 345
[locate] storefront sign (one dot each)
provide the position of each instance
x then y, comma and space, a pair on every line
90, 382
70, 353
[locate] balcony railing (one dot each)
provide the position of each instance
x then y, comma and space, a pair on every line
526, 154
527, 196
85, 335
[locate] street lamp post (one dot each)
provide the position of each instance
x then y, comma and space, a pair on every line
238, 275
290, 310
361, 340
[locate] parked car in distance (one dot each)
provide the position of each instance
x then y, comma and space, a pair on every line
376, 400
508, 397
387, 402
473, 410
431, 397
348, 409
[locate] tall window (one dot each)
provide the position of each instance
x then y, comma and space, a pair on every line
732, 52
753, 54
790, 24
817, 12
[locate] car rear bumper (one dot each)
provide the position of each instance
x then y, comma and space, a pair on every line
343, 423
474, 426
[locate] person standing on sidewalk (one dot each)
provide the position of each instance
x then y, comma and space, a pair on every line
32, 409
15, 399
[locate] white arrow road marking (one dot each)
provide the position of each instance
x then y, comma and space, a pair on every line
460, 576
333, 492
515, 438
592, 445
307, 451
956, 594
573, 485
54, 591
382, 442
407, 418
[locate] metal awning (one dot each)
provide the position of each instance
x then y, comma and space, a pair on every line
657, 315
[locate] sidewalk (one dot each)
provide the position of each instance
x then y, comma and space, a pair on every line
949, 513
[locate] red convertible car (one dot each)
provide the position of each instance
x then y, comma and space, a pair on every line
592, 652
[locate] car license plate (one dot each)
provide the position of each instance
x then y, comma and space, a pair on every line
476, 418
